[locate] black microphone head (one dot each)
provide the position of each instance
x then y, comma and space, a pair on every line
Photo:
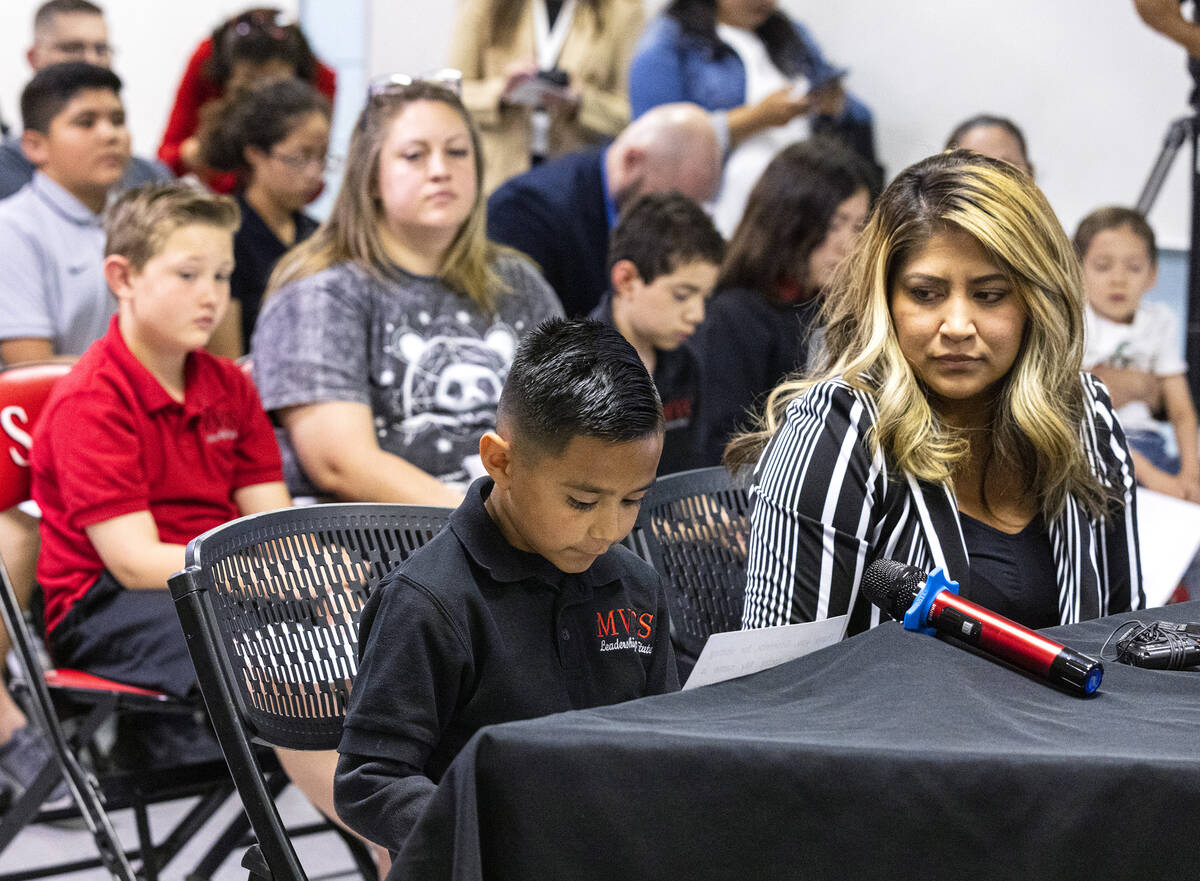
892, 586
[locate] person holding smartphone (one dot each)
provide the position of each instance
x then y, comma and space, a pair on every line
762, 75
543, 78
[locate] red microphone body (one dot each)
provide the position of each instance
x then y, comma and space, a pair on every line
933, 605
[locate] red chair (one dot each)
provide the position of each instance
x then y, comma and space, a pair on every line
84, 702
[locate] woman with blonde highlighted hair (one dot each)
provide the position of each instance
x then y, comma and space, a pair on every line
385, 338
950, 425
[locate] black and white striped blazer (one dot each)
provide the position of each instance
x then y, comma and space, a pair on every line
825, 507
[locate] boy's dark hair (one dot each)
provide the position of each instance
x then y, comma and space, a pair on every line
661, 232
257, 35
51, 8
578, 378
260, 117
1114, 217
53, 87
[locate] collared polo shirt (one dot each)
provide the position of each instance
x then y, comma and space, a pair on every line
52, 286
470, 631
111, 441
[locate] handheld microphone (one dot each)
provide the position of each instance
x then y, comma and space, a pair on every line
932, 605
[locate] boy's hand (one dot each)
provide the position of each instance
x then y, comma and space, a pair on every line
1127, 384
1168, 484
1189, 483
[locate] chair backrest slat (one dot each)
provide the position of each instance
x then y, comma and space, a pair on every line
694, 527
284, 591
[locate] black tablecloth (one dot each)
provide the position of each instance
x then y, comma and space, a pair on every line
889, 755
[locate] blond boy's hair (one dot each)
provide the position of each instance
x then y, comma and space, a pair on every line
140, 221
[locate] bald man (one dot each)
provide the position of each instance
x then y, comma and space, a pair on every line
68, 30
561, 213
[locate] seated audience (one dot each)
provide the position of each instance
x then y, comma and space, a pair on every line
252, 47
802, 220
1132, 346
762, 74
992, 136
562, 213
950, 425
146, 443
385, 341
275, 138
501, 46
527, 604
664, 258
56, 301
68, 30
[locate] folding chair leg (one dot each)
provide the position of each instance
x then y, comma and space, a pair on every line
234, 834
83, 789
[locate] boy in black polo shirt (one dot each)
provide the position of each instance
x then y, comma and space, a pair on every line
526, 605
663, 261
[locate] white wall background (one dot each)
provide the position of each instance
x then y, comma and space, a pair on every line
1093, 88
153, 41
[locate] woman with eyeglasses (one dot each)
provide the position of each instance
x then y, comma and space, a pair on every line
254, 46
385, 338
543, 78
275, 139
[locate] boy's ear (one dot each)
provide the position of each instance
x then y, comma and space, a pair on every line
496, 454
624, 277
118, 272
253, 156
35, 146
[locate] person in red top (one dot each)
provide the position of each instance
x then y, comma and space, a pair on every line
249, 48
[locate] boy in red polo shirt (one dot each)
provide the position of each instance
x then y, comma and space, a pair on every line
146, 443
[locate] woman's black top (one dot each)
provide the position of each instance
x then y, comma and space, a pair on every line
256, 250
1013, 574
745, 346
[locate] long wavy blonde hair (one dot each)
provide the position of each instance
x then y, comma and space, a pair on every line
1040, 405
352, 233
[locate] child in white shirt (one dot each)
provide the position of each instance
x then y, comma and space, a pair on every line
1131, 346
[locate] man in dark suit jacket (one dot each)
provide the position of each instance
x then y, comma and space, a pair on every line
561, 213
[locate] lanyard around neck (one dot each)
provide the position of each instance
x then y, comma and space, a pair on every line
549, 41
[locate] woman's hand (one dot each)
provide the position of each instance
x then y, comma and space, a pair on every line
781, 107
778, 108
517, 74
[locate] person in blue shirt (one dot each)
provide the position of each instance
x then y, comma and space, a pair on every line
762, 75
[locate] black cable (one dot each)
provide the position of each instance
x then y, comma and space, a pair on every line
1156, 644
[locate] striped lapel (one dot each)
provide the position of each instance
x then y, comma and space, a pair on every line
938, 511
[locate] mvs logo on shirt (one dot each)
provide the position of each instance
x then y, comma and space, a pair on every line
625, 629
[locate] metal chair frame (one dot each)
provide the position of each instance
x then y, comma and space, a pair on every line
49, 696
270, 605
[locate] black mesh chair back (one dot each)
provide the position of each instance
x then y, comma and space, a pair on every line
693, 528
270, 606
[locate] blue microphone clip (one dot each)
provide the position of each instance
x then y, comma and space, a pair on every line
918, 613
